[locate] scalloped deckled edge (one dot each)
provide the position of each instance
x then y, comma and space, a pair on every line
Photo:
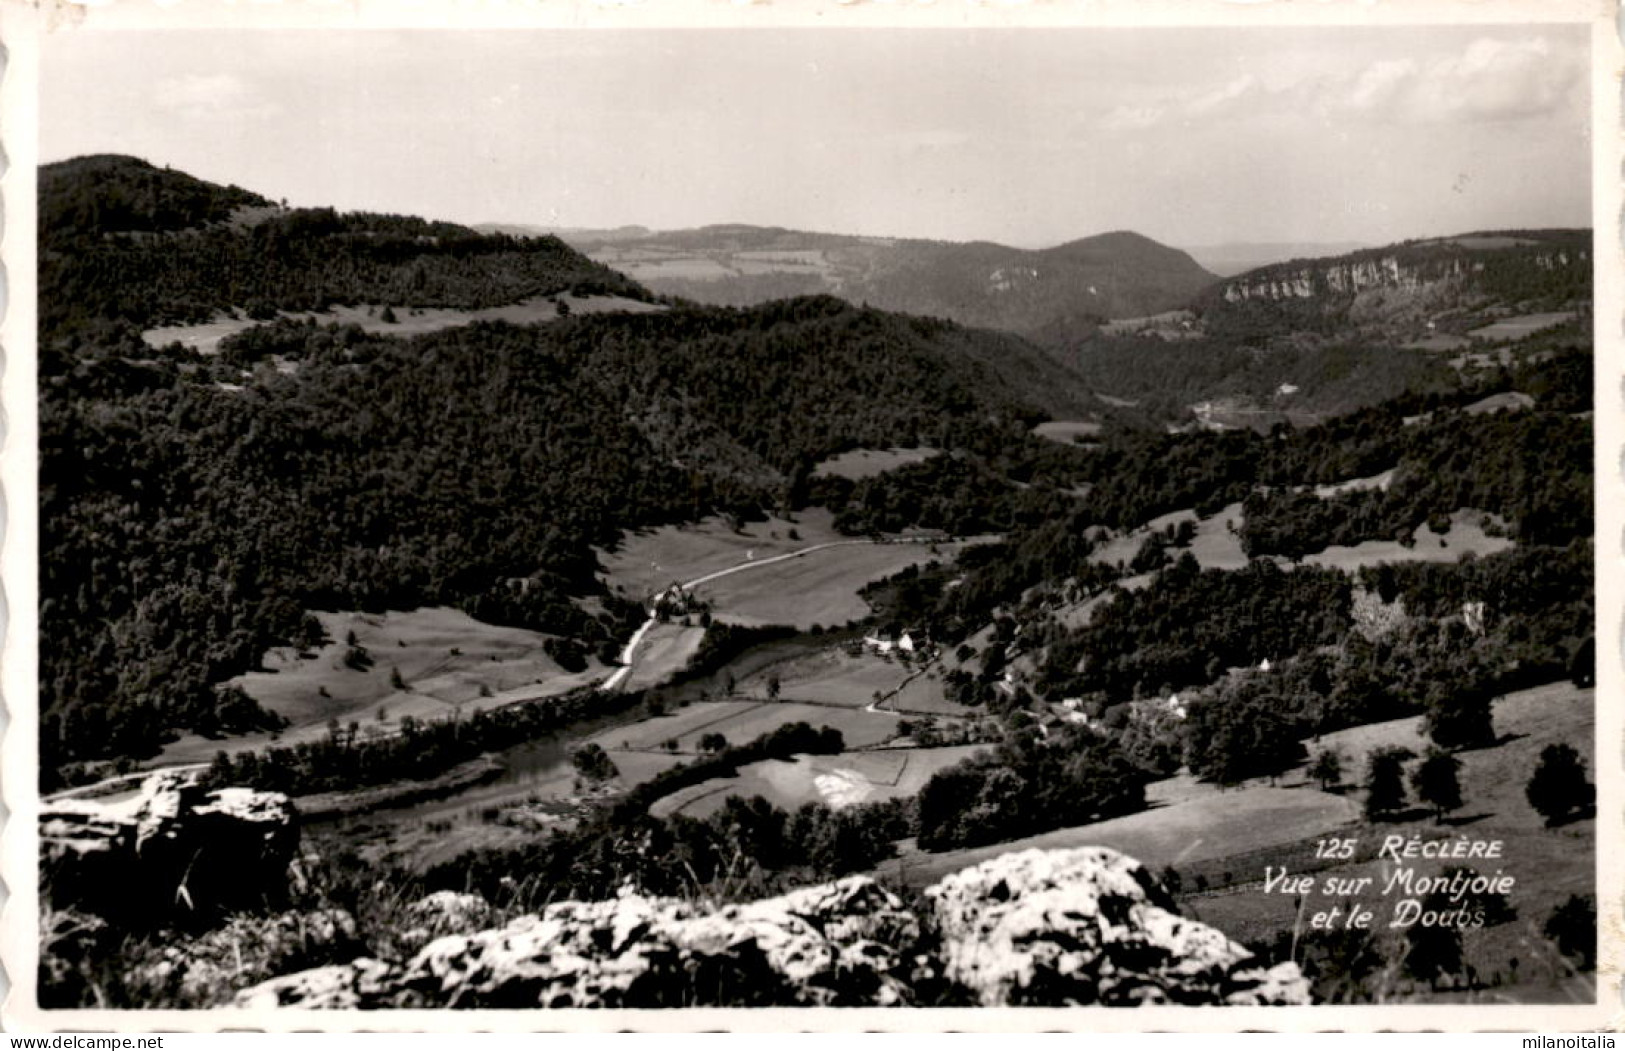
22, 22
19, 838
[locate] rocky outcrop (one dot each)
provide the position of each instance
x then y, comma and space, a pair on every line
1089, 926
831, 945
1406, 268
173, 847
1085, 926
441, 913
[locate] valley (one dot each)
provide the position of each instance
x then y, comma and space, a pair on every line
720, 563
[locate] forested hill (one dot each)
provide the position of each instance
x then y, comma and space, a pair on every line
1397, 286
193, 507
122, 240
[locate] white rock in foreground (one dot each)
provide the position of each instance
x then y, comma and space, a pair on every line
1039, 928
1089, 926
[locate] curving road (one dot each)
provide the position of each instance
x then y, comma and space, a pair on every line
629, 651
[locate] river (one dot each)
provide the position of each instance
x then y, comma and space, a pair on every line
543, 768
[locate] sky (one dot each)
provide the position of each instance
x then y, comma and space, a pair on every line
1022, 136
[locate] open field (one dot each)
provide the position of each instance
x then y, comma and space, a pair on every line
1067, 431
859, 727
866, 463
1376, 481
1548, 864
684, 724
830, 676
1465, 535
448, 660
924, 694
1513, 328
1122, 548
689, 268
1506, 401
835, 780
741, 721
1438, 341
820, 587
1206, 824
666, 650
205, 337
648, 562
1078, 614
1214, 546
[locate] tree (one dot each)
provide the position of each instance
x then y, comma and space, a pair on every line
1459, 716
773, 687
388, 316
1327, 768
1433, 951
713, 742
1572, 927
1385, 782
1558, 788
395, 680
593, 764
1239, 733
1436, 783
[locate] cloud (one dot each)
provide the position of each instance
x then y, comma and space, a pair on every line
211, 96
1487, 80
1225, 96
1133, 118
1494, 80
1490, 80
1376, 86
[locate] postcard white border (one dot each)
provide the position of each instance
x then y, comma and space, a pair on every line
21, 26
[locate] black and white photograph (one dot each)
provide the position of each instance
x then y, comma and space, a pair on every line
773, 514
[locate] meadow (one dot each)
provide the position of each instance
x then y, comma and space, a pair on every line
1067, 432
447, 661
835, 780
866, 463
647, 562
1465, 535
205, 337
818, 588
1515, 328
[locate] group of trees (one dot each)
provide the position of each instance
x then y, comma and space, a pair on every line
1530, 468
418, 750
1557, 788
1189, 625
1028, 784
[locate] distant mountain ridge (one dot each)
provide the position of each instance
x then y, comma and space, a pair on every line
1042, 294
1397, 287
